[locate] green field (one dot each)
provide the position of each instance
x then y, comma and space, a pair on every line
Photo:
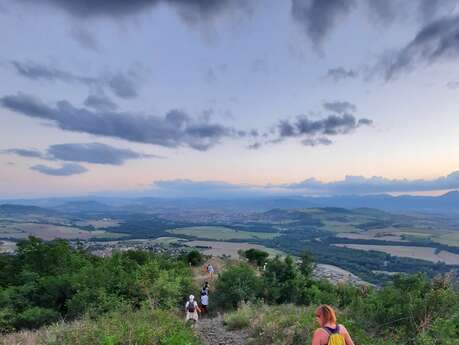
167, 240
220, 248
338, 227
221, 233
21, 230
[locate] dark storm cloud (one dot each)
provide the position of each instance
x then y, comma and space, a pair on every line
340, 107
435, 41
93, 153
340, 73
122, 84
175, 129
100, 103
318, 17
65, 170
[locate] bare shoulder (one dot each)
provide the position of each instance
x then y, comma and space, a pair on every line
320, 333
343, 329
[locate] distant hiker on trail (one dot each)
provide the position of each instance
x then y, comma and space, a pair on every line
210, 270
329, 333
204, 299
191, 309
204, 302
205, 289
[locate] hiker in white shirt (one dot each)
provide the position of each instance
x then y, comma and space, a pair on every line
204, 301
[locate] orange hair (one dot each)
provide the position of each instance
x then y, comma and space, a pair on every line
327, 313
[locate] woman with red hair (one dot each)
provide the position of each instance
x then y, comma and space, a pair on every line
330, 332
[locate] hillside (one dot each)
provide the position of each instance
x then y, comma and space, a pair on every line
11, 210
137, 297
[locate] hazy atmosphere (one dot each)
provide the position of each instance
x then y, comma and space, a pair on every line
217, 98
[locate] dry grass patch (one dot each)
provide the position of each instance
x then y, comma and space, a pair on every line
422, 253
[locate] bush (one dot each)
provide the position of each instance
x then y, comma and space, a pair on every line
239, 283
194, 257
255, 256
411, 307
47, 281
34, 317
283, 281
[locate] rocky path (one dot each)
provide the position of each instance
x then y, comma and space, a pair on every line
213, 332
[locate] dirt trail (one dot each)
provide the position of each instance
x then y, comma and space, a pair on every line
200, 275
213, 332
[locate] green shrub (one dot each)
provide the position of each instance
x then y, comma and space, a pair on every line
239, 283
194, 258
35, 316
255, 256
413, 307
48, 281
283, 282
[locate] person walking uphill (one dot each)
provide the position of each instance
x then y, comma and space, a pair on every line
191, 309
330, 332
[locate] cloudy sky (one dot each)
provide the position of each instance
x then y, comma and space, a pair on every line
214, 97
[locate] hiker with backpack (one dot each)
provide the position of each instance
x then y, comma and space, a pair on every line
330, 332
204, 299
191, 309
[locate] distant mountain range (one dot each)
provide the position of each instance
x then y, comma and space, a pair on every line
447, 203
10, 210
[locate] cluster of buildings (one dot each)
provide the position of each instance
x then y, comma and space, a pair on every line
107, 248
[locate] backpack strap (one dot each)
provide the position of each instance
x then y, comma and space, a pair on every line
326, 330
330, 330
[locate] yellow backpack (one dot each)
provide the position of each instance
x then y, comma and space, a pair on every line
335, 337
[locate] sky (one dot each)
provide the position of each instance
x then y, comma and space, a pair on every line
228, 97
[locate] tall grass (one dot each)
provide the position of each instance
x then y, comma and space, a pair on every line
287, 324
122, 327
